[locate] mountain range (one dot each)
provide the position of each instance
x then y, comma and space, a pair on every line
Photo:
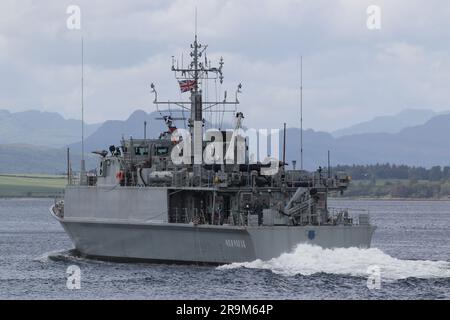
111, 131
41, 128
421, 138
390, 123
422, 145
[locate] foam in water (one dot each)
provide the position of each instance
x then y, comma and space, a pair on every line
70, 255
47, 256
308, 260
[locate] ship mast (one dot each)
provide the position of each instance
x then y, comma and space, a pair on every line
190, 77
83, 162
301, 112
196, 124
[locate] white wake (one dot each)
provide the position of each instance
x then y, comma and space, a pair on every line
308, 260
65, 255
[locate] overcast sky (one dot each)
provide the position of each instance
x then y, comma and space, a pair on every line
350, 73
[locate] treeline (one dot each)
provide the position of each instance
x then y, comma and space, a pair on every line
412, 189
392, 171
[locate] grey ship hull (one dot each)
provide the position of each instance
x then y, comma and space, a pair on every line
131, 224
163, 242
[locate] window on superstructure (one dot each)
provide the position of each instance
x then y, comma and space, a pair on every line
162, 151
141, 151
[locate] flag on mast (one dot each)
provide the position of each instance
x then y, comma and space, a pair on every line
187, 85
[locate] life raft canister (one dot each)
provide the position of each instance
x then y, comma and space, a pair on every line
120, 175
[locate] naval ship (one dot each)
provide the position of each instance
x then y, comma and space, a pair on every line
202, 196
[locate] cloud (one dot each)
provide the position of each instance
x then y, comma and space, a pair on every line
350, 73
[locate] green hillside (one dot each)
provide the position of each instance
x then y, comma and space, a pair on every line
31, 185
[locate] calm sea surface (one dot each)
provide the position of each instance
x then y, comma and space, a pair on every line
410, 248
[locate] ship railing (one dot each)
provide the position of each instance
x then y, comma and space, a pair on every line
179, 215
91, 180
186, 215
58, 205
237, 218
317, 181
349, 216
314, 182
74, 180
197, 216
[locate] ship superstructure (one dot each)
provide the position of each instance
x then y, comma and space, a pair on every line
203, 196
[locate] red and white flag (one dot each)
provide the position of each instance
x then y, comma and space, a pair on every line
187, 85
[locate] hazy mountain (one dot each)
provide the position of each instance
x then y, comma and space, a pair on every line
426, 145
111, 131
40, 128
24, 158
423, 145
389, 124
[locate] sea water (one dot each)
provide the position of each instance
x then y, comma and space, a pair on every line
410, 252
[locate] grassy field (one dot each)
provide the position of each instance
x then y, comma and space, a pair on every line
31, 185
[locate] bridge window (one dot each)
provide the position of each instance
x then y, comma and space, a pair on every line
162, 151
141, 151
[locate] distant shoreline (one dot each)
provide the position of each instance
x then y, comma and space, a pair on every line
28, 197
31, 185
52, 186
51, 196
387, 199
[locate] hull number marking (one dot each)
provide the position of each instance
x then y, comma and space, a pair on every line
235, 243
